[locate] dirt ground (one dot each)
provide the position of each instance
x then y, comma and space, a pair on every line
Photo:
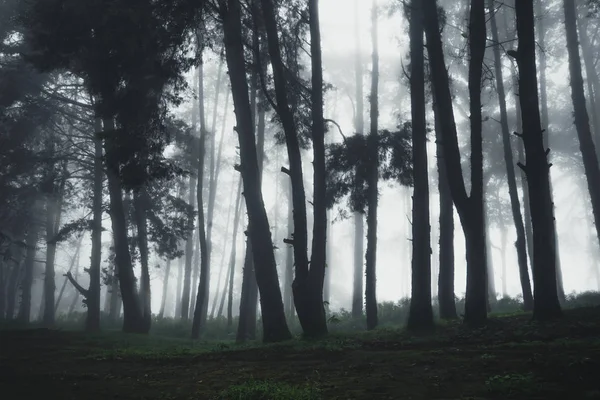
510, 358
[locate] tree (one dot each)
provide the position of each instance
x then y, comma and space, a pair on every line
537, 169
273, 317
582, 121
308, 283
359, 219
521, 243
421, 312
372, 178
469, 207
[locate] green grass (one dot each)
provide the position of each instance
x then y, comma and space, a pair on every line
509, 358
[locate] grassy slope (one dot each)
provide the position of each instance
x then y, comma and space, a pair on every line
510, 358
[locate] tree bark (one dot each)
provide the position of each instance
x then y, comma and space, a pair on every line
582, 121
232, 259
64, 285
189, 250
273, 318
521, 243
201, 307
31, 241
545, 301
54, 202
592, 78
421, 313
359, 219
163, 301
132, 313
92, 322
470, 208
140, 199
545, 122
446, 296
222, 264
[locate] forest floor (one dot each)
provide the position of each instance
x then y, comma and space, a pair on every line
510, 358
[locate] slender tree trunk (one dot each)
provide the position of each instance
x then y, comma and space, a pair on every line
140, 199
273, 317
470, 208
521, 243
421, 312
289, 259
232, 258
163, 301
132, 313
66, 280
92, 322
545, 123
359, 219
582, 121
215, 166
13, 281
446, 296
179, 287
222, 264
115, 295
189, 252
201, 307
31, 241
75, 299
592, 78
545, 300
54, 204
315, 320
503, 256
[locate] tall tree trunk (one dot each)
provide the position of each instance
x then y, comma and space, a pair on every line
222, 264
54, 204
289, 259
545, 122
232, 258
189, 251
372, 191
163, 301
470, 208
228, 288
115, 295
273, 317
446, 296
13, 280
31, 241
545, 300
92, 322
503, 256
300, 238
249, 293
78, 291
582, 121
132, 313
140, 201
359, 219
521, 243
328, 264
315, 320
214, 167
592, 77
201, 307
179, 287
66, 280
421, 312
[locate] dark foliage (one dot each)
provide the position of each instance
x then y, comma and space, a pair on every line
347, 165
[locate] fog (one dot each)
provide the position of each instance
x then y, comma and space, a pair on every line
578, 246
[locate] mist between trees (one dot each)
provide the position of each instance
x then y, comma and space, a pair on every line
227, 169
